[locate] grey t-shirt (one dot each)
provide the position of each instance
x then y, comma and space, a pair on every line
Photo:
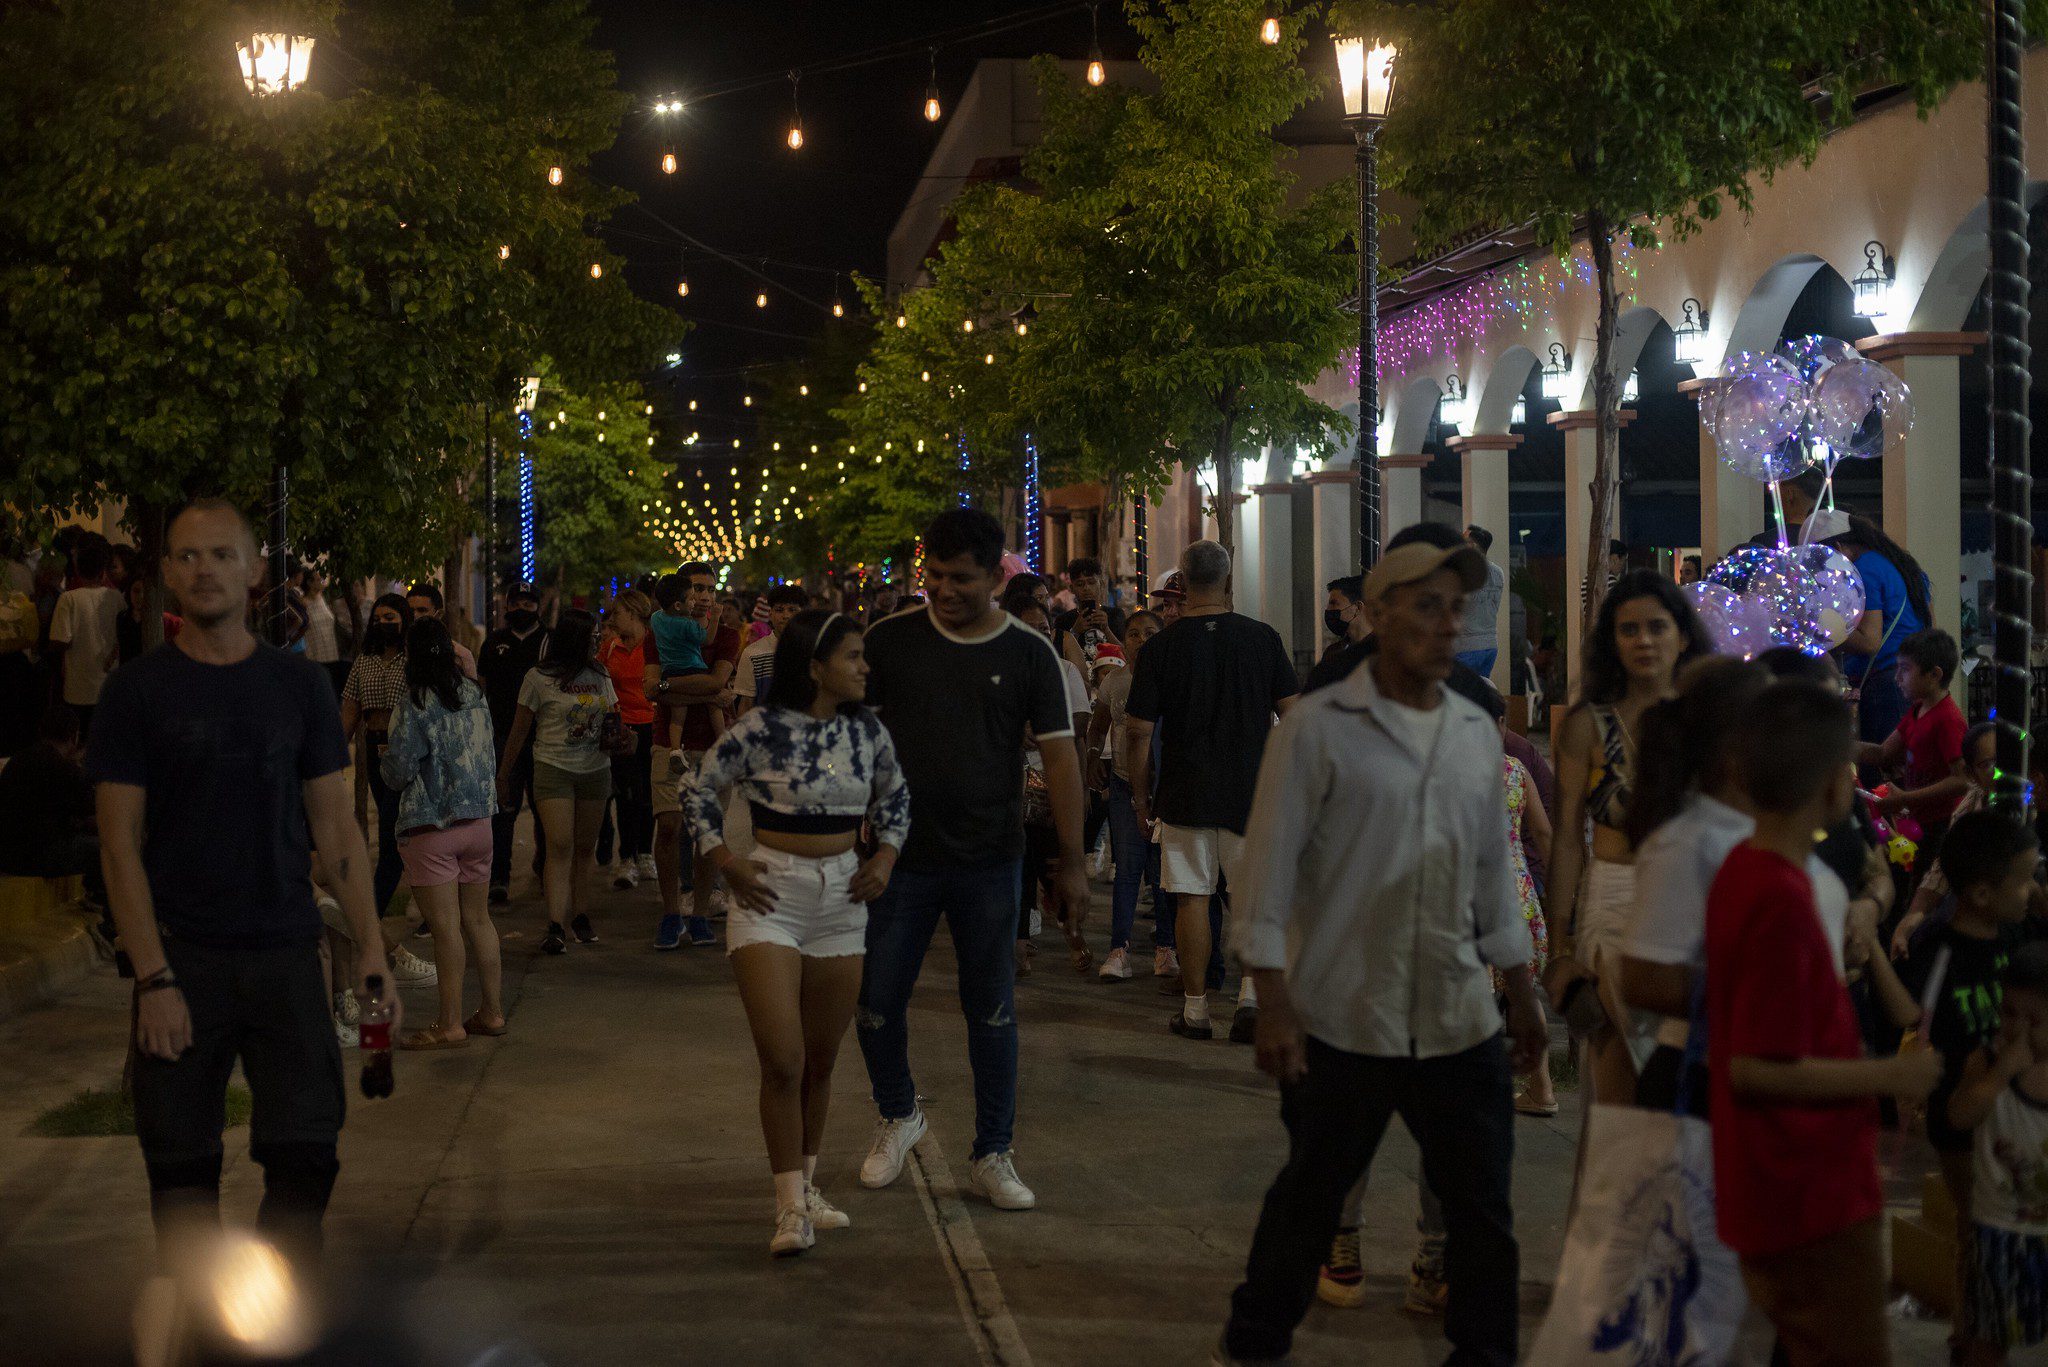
1482, 611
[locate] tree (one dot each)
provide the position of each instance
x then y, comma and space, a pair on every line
597, 485
1177, 304
1642, 118
195, 283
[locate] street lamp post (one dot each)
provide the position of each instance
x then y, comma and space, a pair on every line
276, 64
1366, 69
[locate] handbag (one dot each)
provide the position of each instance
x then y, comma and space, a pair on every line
1644, 1280
1037, 797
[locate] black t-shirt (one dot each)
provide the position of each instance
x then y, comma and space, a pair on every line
1965, 1000
1064, 624
957, 709
43, 799
1212, 682
501, 668
221, 751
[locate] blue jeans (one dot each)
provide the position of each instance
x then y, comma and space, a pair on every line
979, 903
1480, 662
1137, 863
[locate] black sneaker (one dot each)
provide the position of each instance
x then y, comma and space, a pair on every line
586, 934
422, 932
552, 942
1244, 1025
1187, 1029
500, 894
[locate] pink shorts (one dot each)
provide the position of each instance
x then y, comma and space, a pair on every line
458, 854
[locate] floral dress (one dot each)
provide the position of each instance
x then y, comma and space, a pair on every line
1521, 791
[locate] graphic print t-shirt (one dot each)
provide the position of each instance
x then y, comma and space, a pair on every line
1212, 682
756, 667
958, 708
1957, 975
568, 723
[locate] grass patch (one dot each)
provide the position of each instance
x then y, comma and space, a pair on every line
1564, 1068
99, 1112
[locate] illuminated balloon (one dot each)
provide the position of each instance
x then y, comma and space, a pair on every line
1792, 595
1856, 404
1737, 625
1812, 354
1838, 599
1756, 413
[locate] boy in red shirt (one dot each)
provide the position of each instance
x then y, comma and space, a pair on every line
1793, 1098
1925, 753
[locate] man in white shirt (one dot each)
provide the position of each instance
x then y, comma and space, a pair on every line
1375, 891
84, 631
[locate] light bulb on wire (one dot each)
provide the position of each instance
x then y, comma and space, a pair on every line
931, 91
682, 288
796, 115
1269, 31
596, 270
761, 299
668, 163
1095, 69
554, 175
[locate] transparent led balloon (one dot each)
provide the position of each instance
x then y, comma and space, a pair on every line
1856, 404
1837, 593
1756, 415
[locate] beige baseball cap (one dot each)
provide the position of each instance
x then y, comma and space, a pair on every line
1419, 560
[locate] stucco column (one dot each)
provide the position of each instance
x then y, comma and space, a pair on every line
1923, 472
1400, 493
1581, 431
1483, 469
1335, 495
1731, 504
1275, 518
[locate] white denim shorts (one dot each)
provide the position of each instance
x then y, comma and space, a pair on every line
814, 913
1192, 857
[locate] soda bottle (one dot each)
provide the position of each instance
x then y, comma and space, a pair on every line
376, 1039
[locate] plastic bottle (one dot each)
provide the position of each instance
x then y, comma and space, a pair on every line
376, 1039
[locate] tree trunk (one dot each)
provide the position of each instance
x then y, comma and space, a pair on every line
1226, 485
1607, 436
148, 522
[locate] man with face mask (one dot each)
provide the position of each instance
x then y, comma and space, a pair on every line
509, 653
1344, 618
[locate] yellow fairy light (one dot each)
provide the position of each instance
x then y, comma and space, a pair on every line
925, 375
863, 386
682, 289
902, 321
988, 358
504, 253
650, 410
596, 270
803, 390
1269, 31
967, 325
746, 400
668, 163
1096, 74
838, 309
693, 405
761, 299
554, 175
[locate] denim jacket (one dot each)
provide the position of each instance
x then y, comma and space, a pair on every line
442, 763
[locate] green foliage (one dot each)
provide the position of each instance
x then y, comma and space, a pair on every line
1181, 301
596, 484
194, 281
100, 1112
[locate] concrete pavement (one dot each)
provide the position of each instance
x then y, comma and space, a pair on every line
592, 1187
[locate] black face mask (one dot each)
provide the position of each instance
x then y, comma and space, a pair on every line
521, 619
379, 637
1334, 621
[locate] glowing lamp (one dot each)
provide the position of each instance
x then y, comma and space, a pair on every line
1365, 68
274, 63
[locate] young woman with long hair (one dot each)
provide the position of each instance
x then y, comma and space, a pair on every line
564, 702
1646, 630
440, 760
375, 683
813, 764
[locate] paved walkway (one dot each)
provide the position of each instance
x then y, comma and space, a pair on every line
592, 1188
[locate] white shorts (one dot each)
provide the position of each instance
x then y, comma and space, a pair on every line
1606, 903
814, 914
1191, 857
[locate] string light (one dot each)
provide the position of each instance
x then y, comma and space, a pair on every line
1095, 68
596, 270
761, 299
682, 289
554, 175
668, 163
967, 325
803, 391
528, 565
902, 320
931, 92
838, 308
504, 253
796, 115
1269, 31
1034, 549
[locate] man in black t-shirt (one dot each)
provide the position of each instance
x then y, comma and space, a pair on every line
962, 686
508, 653
1214, 680
216, 757
1092, 622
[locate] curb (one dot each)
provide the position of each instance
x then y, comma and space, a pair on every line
63, 951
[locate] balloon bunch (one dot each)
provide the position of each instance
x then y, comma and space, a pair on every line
1814, 401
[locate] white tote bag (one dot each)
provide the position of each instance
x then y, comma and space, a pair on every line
1644, 1280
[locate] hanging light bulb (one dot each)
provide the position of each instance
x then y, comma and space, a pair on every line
1269, 31
596, 270
902, 321
504, 253
682, 288
1096, 74
796, 115
967, 325
746, 401
796, 137
761, 299
554, 175
668, 163
863, 386
931, 91
803, 391
1095, 69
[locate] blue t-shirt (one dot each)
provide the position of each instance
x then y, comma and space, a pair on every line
679, 643
221, 752
1884, 590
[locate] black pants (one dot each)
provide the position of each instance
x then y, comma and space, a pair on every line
508, 817
390, 868
1657, 1085
268, 1008
632, 800
1461, 1112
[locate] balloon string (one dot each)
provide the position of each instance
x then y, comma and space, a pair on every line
1778, 505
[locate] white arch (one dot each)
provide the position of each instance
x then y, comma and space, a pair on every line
1958, 273
1504, 383
1412, 415
1631, 332
1760, 322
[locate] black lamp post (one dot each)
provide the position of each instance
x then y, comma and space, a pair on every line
1366, 69
2011, 430
275, 65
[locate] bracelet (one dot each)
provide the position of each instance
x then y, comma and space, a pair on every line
156, 982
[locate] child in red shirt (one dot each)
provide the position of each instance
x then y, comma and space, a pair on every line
1926, 751
1794, 1108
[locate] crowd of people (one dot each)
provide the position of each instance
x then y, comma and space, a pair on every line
1739, 883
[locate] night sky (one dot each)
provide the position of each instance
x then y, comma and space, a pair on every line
741, 190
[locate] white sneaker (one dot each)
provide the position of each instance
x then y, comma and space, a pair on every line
823, 1214
893, 1142
411, 970
645, 864
996, 1178
792, 1233
346, 1035
1117, 966
347, 1008
628, 876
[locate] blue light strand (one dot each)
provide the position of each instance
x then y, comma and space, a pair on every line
965, 465
1034, 534
529, 567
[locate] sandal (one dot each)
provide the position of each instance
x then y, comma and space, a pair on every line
475, 1025
1524, 1106
431, 1038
